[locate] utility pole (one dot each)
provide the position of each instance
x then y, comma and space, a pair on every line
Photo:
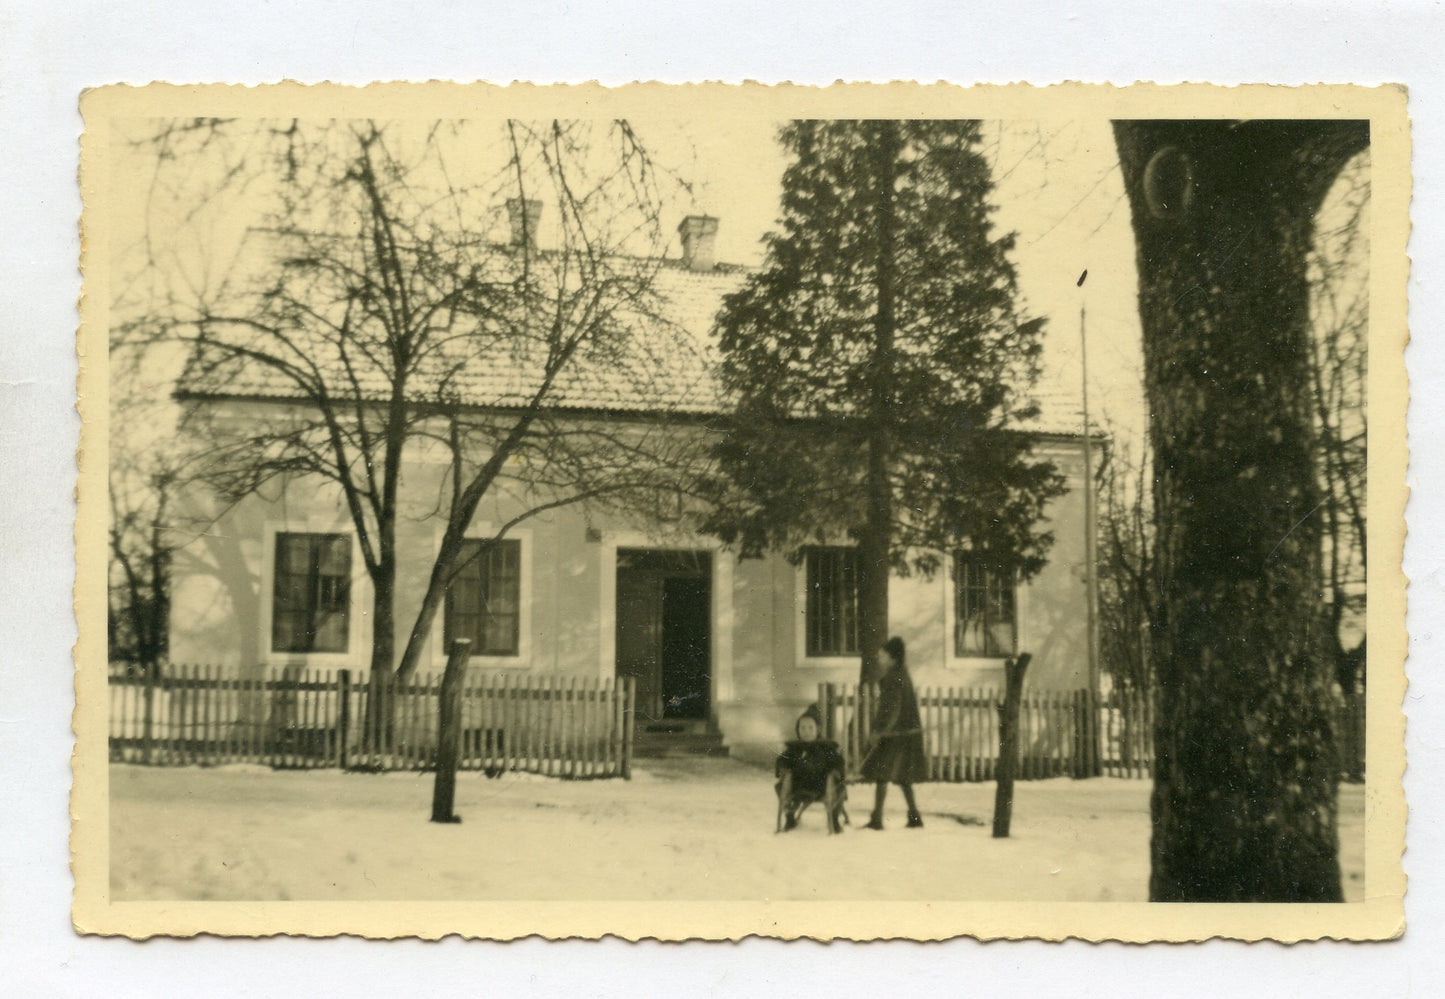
1091, 526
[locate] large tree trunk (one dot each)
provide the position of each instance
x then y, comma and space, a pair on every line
874, 550
1246, 772
383, 619
380, 703
873, 574
380, 715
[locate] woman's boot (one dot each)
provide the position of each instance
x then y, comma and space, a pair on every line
915, 821
875, 821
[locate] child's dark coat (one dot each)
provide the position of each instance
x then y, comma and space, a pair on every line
810, 763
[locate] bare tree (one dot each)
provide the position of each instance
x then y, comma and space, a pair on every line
145, 529
1339, 301
375, 308
1126, 571
140, 550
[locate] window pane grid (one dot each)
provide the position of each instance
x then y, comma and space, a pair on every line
484, 599
984, 619
311, 593
831, 605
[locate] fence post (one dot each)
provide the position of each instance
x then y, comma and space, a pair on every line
449, 732
148, 717
628, 694
1008, 754
1079, 751
343, 714
1096, 740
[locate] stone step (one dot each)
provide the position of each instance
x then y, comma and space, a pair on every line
677, 752
677, 737
674, 726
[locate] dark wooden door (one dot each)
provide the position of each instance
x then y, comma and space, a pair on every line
639, 638
686, 638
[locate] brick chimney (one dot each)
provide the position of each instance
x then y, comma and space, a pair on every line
524, 218
698, 232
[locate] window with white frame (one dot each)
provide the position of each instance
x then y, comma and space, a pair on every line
983, 609
831, 619
311, 593
484, 600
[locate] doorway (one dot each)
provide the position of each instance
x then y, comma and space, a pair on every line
664, 631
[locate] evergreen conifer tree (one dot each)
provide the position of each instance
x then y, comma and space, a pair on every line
882, 366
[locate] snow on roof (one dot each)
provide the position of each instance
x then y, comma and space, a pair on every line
671, 368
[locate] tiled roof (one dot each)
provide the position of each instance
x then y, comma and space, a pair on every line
670, 367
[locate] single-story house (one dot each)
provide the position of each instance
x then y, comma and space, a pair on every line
735, 647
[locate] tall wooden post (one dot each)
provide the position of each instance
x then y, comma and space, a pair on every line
1091, 522
1008, 739
148, 722
449, 732
629, 707
343, 715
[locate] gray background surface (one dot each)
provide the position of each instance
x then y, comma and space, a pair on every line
48, 53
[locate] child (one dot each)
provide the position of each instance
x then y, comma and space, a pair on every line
897, 755
810, 769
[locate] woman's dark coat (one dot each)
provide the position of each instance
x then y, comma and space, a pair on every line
897, 755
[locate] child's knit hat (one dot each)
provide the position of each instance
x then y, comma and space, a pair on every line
894, 647
812, 713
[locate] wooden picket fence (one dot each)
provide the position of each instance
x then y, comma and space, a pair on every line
307, 719
1126, 729
1062, 733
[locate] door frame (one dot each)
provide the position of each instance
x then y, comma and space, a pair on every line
721, 650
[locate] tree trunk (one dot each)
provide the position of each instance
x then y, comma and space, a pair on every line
377, 723
155, 641
380, 713
383, 620
436, 590
874, 548
1246, 772
872, 601
431, 603
1008, 744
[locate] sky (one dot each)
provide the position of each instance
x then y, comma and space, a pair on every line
1059, 188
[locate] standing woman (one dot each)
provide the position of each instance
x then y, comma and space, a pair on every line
896, 755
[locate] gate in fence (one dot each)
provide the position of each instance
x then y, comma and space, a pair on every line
305, 719
1065, 733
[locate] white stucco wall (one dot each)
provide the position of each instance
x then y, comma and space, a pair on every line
761, 680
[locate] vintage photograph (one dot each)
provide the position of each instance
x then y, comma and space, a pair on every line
860, 512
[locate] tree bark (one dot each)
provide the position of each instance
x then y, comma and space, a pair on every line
873, 549
1246, 772
378, 719
449, 733
381, 704
1008, 744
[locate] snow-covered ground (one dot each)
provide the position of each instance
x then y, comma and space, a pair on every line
680, 829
